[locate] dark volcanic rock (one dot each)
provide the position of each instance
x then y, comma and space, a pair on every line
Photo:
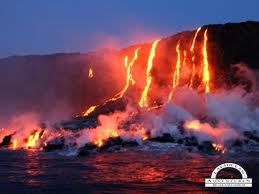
165, 138
235, 143
230, 44
192, 142
109, 107
86, 150
117, 141
6, 141
80, 123
56, 144
91, 120
111, 144
60, 81
251, 135
188, 141
207, 147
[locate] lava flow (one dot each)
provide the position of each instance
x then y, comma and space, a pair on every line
90, 73
206, 73
176, 76
33, 139
128, 119
14, 144
143, 100
193, 57
108, 133
89, 110
129, 79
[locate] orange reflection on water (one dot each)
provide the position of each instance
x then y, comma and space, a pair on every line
130, 167
33, 169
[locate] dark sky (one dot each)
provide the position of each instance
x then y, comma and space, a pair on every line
47, 26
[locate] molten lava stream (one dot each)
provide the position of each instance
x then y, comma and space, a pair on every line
90, 73
129, 77
193, 57
184, 57
143, 100
32, 140
106, 134
89, 110
176, 74
129, 80
14, 144
206, 73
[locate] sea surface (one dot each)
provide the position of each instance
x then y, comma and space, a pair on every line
149, 169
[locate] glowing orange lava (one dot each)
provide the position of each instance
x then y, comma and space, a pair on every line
99, 143
206, 73
32, 140
215, 133
219, 147
143, 101
108, 133
143, 134
177, 70
195, 125
193, 56
111, 133
90, 73
184, 57
194, 39
177, 67
144, 137
129, 79
14, 144
89, 110
129, 75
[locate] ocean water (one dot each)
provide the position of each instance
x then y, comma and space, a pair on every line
152, 169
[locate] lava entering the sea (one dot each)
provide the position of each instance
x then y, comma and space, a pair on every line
183, 113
